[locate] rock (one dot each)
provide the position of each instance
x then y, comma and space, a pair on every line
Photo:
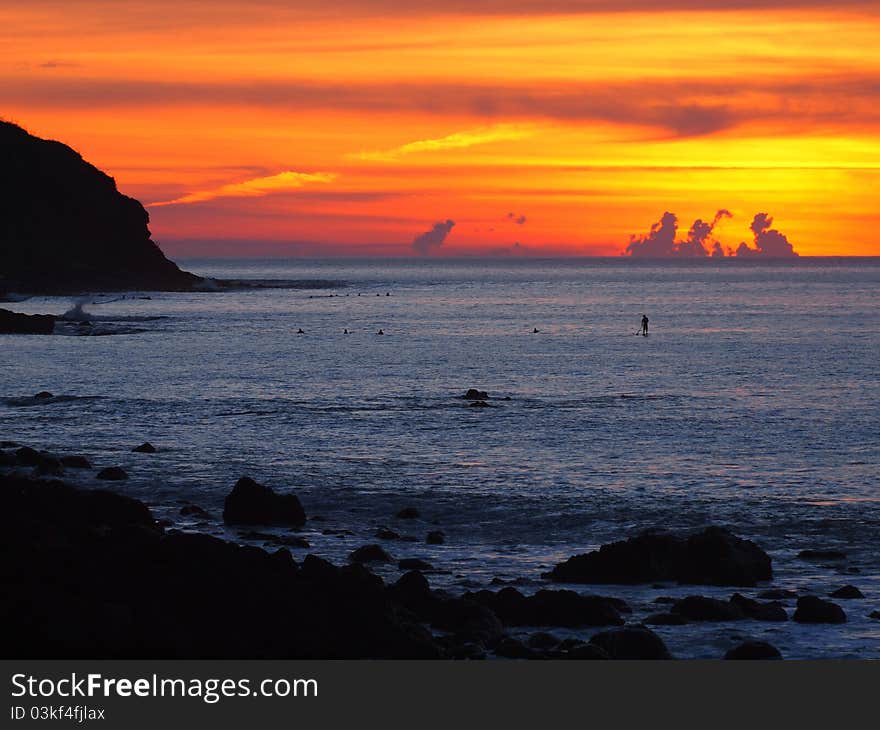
43, 395
777, 594
754, 650
112, 474
874, 615
408, 513
474, 394
814, 610
631, 642
66, 228
822, 555
383, 533
511, 648
14, 323
772, 611
412, 590
666, 619
192, 510
468, 620
7, 459
26, 456
292, 541
75, 461
414, 564
435, 537
94, 576
713, 556
145, 448
700, 608
369, 554
478, 404
847, 591
250, 503
549, 608
588, 652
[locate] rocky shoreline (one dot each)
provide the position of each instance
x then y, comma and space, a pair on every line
91, 573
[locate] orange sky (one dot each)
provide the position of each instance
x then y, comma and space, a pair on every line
348, 127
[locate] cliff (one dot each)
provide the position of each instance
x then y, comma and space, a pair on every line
64, 227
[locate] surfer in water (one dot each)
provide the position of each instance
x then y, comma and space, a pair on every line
644, 330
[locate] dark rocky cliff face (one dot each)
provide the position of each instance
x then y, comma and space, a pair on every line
64, 227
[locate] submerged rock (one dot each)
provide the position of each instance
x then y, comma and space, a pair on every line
474, 394
754, 650
713, 556
814, 610
414, 564
435, 537
145, 448
847, 591
250, 503
770, 611
192, 510
631, 643
408, 513
43, 395
700, 608
112, 474
822, 555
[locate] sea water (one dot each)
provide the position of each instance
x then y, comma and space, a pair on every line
752, 404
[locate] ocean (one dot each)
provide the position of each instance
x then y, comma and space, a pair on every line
752, 404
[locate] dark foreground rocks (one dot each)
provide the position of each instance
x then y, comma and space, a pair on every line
713, 556
631, 642
814, 610
89, 574
551, 608
13, 323
754, 650
250, 503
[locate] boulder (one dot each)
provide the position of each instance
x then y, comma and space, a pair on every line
631, 642
383, 533
44, 395
369, 554
14, 323
753, 650
435, 537
847, 591
700, 608
145, 448
75, 461
511, 648
478, 404
112, 474
713, 556
770, 611
874, 615
814, 610
250, 503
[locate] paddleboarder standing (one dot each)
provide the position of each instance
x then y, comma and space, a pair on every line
644, 330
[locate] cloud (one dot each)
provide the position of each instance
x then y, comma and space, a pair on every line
426, 242
282, 182
457, 140
518, 219
768, 241
661, 241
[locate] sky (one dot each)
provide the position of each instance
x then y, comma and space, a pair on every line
449, 127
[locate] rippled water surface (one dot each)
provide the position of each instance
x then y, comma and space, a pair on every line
753, 404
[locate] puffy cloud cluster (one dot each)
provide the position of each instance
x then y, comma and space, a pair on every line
426, 242
768, 241
661, 241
